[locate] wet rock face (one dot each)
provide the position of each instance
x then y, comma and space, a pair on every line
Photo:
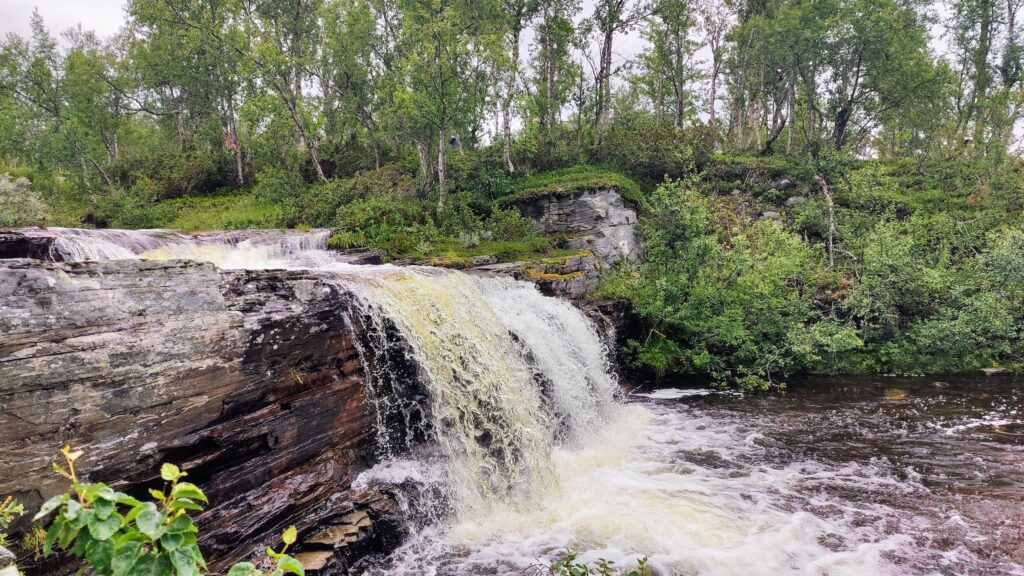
250, 380
596, 220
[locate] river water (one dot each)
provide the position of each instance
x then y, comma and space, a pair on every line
838, 476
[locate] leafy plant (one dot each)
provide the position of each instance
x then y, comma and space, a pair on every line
19, 205
567, 565
10, 509
119, 535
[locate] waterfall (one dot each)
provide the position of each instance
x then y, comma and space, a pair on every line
508, 373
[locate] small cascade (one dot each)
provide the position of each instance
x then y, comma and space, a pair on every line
238, 249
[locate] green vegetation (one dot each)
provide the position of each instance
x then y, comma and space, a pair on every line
913, 270
10, 509
570, 181
566, 565
118, 535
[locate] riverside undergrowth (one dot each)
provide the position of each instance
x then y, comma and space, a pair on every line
118, 535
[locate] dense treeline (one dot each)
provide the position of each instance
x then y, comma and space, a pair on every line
196, 95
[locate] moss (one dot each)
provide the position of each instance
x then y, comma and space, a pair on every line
574, 181
537, 275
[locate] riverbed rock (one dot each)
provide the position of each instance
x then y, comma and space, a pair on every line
250, 380
595, 220
996, 371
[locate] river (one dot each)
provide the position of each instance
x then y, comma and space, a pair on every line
831, 476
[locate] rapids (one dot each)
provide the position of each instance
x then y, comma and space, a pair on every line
518, 444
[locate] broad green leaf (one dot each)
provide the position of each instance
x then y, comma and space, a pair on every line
183, 563
130, 516
104, 528
244, 569
181, 524
185, 504
150, 523
127, 500
170, 472
125, 555
290, 535
290, 565
73, 509
99, 553
171, 541
51, 505
188, 490
156, 494
104, 508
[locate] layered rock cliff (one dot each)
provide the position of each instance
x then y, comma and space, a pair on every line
249, 379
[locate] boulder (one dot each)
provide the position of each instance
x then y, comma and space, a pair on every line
595, 220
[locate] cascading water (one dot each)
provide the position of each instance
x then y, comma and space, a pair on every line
508, 414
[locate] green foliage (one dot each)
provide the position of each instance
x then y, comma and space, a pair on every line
413, 228
319, 206
926, 275
276, 185
567, 565
10, 509
571, 181
118, 535
652, 150
737, 306
19, 205
395, 226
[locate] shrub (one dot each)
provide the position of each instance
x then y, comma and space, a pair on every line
117, 534
319, 205
19, 206
650, 150
395, 226
10, 509
278, 185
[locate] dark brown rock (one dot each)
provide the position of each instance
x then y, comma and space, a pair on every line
15, 244
248, 379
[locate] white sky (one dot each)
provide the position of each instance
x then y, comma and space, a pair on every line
102, 16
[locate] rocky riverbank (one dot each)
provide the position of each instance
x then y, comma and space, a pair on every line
249, 379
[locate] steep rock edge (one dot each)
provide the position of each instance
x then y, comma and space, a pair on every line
249, 379
596, 220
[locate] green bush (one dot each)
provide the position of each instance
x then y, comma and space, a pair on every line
118, 535
278, 185
19, 205
651, 151
395, 226
737, 307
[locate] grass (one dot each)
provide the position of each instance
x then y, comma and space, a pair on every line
228, 212
451, 255
576, 180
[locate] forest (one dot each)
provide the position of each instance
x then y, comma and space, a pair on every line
824, 185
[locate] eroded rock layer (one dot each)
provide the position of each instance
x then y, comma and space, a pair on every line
251, 380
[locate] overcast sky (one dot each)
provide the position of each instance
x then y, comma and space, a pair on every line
102, 16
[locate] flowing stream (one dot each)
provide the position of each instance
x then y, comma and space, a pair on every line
519, 445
